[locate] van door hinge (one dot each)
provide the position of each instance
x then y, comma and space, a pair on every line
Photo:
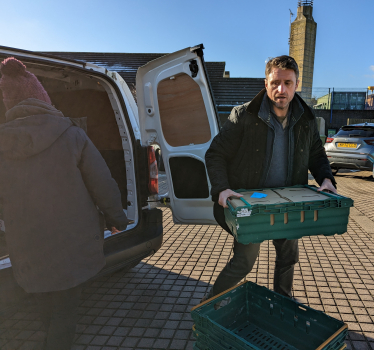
198, 49
194, 68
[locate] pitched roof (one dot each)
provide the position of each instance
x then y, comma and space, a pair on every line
227, 92
232, 91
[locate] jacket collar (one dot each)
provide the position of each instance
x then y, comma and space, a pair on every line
299, 107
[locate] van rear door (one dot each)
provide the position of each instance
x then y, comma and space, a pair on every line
176, 111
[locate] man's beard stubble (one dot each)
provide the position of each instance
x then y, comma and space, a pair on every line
275, 104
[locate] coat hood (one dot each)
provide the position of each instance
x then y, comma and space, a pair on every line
32, 126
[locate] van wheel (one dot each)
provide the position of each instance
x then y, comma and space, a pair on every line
334, 171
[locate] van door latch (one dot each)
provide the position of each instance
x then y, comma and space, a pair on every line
194, 68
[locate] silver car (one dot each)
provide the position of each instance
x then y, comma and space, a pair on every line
351, 148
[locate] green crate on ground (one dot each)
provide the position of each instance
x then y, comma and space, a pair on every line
255, 318
204, 342
287, 212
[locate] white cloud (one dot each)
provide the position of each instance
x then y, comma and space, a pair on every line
371, 68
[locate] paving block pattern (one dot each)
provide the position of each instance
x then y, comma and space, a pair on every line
149, 306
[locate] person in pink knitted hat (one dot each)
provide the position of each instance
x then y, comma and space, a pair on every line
18, 84
56, 190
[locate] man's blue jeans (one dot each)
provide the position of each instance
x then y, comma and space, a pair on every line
245, 255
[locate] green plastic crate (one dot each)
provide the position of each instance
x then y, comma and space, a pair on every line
205, 341
256, 318
255, 222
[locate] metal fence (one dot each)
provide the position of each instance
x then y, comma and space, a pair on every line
340, 98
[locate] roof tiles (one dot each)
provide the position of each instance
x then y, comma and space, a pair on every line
227, 92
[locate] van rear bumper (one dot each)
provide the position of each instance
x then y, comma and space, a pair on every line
137, 244
142, 241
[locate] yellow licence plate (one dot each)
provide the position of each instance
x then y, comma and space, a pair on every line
347, 145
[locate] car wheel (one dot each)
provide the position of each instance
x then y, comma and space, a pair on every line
334, 171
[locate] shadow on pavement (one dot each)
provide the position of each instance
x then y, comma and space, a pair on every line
363, 175
145, 308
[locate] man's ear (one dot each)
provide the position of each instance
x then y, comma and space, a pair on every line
266, 84
297, 84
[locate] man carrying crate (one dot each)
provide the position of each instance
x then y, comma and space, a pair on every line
269, 142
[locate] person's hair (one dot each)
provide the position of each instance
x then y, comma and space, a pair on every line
282, 62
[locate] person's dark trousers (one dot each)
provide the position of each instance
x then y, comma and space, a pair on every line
59, 314
245, 255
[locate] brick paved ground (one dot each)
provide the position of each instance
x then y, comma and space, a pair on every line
148, 307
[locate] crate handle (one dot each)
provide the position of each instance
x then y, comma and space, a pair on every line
244, 201
328, 341
218, 295
228, 201
218, 305
230, 205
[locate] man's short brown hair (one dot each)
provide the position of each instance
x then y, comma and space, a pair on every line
282, 62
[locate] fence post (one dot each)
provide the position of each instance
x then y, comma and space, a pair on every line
332, 102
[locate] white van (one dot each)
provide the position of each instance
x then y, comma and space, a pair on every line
175, 112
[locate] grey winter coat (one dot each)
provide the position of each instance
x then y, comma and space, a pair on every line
52, 179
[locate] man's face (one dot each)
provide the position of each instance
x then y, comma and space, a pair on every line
281, 86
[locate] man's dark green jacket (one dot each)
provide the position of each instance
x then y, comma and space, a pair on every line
239, 156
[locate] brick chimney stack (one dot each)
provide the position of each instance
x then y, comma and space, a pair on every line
302, 46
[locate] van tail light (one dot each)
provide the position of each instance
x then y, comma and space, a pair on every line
153, 171
329, 139
370, 142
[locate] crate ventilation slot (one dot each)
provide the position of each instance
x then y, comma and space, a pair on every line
260, 338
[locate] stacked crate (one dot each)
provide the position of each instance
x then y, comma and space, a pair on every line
251, 317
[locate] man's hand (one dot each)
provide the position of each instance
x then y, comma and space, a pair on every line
327, 185
226, 194
114, 230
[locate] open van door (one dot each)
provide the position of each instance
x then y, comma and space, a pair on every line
176, 111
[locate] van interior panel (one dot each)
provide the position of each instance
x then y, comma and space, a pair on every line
79, 95
102, 128
184, 120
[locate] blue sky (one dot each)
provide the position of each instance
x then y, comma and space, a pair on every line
241, 33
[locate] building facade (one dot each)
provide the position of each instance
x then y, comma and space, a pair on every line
370, 102
342, 100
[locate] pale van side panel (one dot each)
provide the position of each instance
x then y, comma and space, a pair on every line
132, 208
